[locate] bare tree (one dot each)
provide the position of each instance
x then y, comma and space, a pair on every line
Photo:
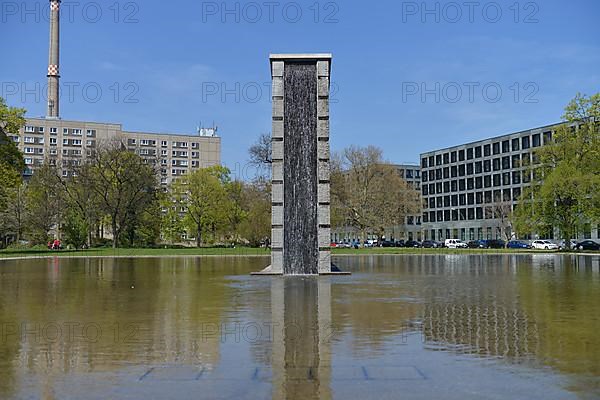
261, 154
501, 211
368, 193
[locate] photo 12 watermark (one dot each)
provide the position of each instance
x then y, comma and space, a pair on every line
471, 92
71, 92
453, 12
68, 332
91, 12
248, 92
270, 12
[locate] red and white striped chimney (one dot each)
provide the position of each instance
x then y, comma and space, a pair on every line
53, 60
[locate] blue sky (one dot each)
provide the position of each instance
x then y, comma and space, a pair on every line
185, 62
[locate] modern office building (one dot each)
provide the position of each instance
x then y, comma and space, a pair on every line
68, 143
470, 190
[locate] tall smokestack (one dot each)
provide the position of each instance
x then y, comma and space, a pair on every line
53, 60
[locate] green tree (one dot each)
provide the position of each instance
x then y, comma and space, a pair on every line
11, 120
173, 212
565, 191
256, 203
125, 187
75, 229
207, 201
43, 204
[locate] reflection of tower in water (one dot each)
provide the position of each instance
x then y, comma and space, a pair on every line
301, 361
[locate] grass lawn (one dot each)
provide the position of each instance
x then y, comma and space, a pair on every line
242, 251
108, 252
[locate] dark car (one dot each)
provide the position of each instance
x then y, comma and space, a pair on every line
388, 243
517, 244
587, 245
477, 244
399, 243
430, 244
412, 243
496, 244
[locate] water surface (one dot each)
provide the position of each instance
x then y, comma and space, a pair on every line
447, 326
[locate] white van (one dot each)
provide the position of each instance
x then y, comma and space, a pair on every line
455, 244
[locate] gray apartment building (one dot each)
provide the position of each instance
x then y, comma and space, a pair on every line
67, 144
469, 190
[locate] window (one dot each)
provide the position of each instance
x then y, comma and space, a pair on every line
424, 162
470, 153
29, 150
516, 177
29, 161
53, 131
506, 162
461, 185
547, 137
470, 169
516, 161
453, 156
496, 148
53, 152
29, 129
91, 132
478, 152
446, 158
77, 132
505, 146
40, 129
461, 170
496, 164
487, 150
478, 167
438, 159
487, 181
536, 140
195, 145
163, 153
65, 142
487, 165
506, 178
478, 182
144, 142
28, 139
453, 171
89, 143
53, 141
525, 142
65, 131
76, 142
461, 155
515, 144
496, 179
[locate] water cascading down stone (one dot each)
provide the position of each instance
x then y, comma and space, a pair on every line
300, 138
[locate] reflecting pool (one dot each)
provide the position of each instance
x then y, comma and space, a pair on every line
410, 326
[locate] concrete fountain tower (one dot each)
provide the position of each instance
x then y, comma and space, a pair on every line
301, 227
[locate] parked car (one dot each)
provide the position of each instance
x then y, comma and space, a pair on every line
399, 243
495, 244
455, 244
563, 244
544, 245
388, 243
587, 245
412, 243
518, 244
477, 244
430, 244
